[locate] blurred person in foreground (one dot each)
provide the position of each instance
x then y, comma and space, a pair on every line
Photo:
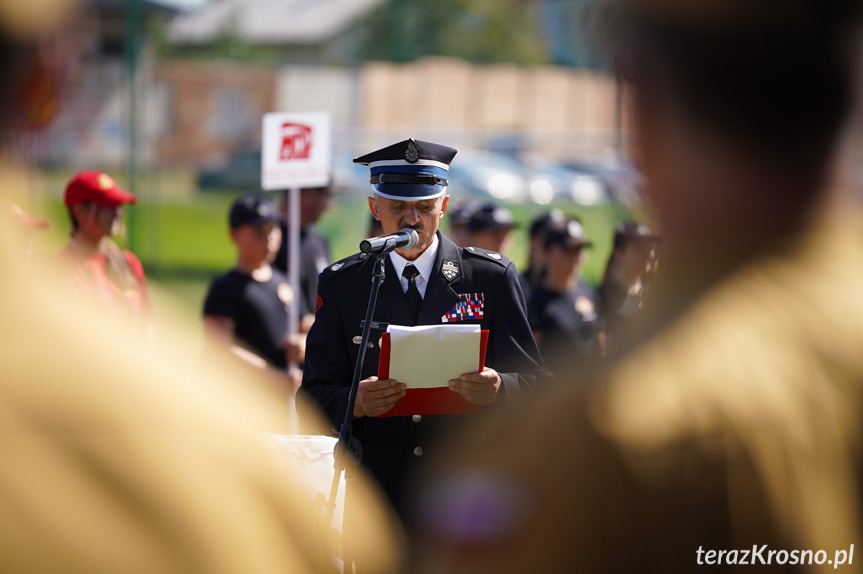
99, 266
25, 224
122, 459
564, 311
314, 247
732, 436
628, 274
490, 227
534, 271
246, 309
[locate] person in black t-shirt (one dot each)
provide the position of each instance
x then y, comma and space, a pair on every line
314, 247
532, 276
246, 309
564, 311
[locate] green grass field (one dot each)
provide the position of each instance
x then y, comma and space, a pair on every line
181, 235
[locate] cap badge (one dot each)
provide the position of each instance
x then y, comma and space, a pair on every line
412, 153
105, 182
449, 270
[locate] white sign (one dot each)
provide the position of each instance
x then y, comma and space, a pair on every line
295, 150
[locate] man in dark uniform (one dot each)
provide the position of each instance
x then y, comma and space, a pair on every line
314, 247
490, 228
564, 311
532, 276
409, 180
628, 273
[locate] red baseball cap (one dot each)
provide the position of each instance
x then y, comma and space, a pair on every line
96, 187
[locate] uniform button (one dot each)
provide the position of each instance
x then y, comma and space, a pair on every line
416, 418
418, 451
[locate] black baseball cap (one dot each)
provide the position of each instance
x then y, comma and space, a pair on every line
628, 231
541, 222
570, 234
462, 213
489, 217
253, 209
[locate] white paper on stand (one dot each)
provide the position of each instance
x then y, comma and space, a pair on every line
428, 356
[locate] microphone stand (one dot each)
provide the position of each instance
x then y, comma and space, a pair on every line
348, 449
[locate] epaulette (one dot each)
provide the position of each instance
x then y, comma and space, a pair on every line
486, 254
349, 261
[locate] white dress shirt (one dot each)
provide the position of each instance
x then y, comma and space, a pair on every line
424, 264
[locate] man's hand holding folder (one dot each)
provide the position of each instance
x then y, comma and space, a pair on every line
425, 363
377, 396
477, 388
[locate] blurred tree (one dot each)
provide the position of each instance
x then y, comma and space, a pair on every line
228, 45
572, 30
481, 31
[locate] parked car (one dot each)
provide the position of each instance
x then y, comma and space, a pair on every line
549, 181
487, 176
622, 179
349, 177
241, 172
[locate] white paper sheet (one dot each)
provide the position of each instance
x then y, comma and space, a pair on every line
428, 356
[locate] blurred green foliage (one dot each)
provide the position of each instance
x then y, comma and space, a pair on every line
480, 31
228, 45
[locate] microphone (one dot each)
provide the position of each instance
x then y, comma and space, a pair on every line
405, 239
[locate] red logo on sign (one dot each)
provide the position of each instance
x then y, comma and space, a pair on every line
296, 141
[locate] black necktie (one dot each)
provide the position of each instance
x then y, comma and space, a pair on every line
413, 294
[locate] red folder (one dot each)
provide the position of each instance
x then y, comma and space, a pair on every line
437, 401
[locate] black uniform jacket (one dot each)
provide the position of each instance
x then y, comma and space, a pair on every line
391, 445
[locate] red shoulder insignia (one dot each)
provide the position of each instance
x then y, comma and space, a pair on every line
318, 303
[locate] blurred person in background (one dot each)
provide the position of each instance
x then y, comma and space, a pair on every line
564, 311
736, 425
314, 247
459, 218
531, 277
123, 459
101, 267
490, 227
628, 274
246, 309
